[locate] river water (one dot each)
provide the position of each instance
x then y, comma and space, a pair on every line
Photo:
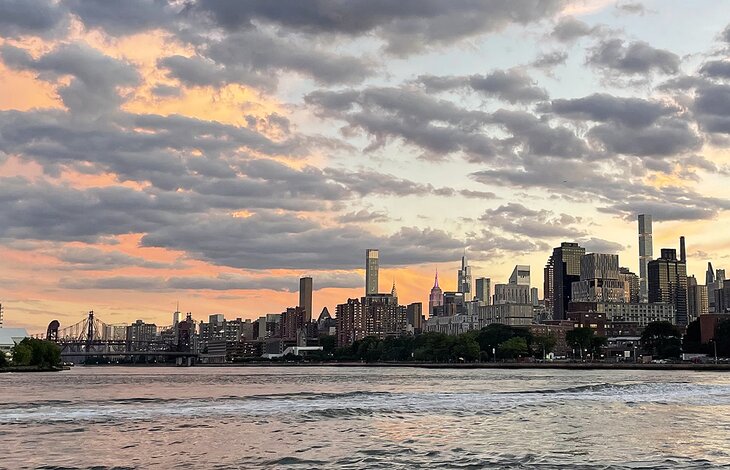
330, 417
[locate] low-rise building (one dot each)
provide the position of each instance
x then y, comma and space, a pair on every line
452, 325
507, 314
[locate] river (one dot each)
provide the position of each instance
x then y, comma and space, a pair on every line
363, 417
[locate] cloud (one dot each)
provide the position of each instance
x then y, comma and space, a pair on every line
417, 118
632, 58
31, 17
95, 259
362, 216
569, 29
711, 108
514, 218
602, 107
716, 69
667, 137
599, 245
631, 8
513, 86
97, 78
221, 282
123, 18
549, 60
407, 26
255, 58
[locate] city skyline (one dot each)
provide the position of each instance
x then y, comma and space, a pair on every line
147, 159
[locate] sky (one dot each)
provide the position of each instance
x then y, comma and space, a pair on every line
211, 152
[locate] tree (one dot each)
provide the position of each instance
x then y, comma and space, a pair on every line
36, 352
22, 354
692, 340
722, 336
3, 360
580, 339
513, 347
328, 343
542, 345
465, 348
662, 339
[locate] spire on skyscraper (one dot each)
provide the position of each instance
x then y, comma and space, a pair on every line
393, 292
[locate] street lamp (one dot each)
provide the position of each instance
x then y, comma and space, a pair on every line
714, 344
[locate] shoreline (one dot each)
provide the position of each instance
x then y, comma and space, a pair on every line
24, 369
493, 365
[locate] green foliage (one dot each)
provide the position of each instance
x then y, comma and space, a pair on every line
585, 341
22, 354
328, 343
661, 339
36, 352
543, 345
722, 336
692, 340
3, 360
513, 347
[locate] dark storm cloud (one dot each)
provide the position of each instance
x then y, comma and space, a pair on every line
632, 58
31, 17
602, 107
123, 17
97, 77
515, 218
569, 29
406, 26
513, 86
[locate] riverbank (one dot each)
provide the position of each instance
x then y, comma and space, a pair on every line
491, 365
32, 369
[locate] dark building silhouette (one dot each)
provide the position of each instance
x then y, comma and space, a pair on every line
668, 282
305, 297
566, 271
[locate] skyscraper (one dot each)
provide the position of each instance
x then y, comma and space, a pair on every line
547, 286
646, 253
631, 285
305, 297
520, 275
599, 279
566, 271
697, 299
464, 280
709, 275
371, 272
436, 299
667, 282
682, 250
484, 290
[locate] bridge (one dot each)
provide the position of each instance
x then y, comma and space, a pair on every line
91, 337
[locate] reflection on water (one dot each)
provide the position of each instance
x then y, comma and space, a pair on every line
314, 417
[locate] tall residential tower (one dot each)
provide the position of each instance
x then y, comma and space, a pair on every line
464, 281
305, 297
646, 254
371, 272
